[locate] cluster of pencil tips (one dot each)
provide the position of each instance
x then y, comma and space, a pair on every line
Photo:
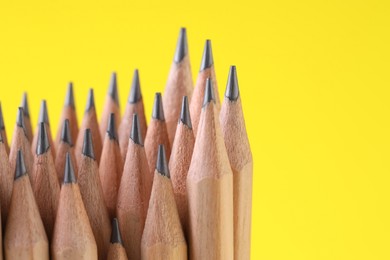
178, 188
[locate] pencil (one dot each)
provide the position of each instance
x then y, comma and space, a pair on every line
20, 141
116, 250
45, 183
210, 189
6, 181
68, 112
179, 163
157, 133
179, 84
240, 157
92, 195
163, 236
111, 106
206, 71
89, 122
25, 236
111, 167
73, 237
27, 120
134, 193
65, 146
3, 131
135, 105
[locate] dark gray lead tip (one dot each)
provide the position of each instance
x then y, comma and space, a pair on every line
2, 126
162, 164
90, 100
69, 176
43, 141
1, 137
20, 119
135, 133
111, 131
69, 99
208, 92
43, 114
116, 234
65, 133
158, 110
232, 92
20, 167
113, 88
181, 46
185, 117
207, 59
135, 90
24, 104
88, 144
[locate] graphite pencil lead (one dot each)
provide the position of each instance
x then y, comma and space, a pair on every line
69, 176
20, 166
69, 99
24, 104
162, 164
135, 91
182, 46
158, 111
88, 144
135, 133
232, 92
65, 133
111, 131
116, 234
185, 117
90, 100
43, 140
209, 92
2, 126
1, 138
20, 119
113, 89
43, 115
207, 59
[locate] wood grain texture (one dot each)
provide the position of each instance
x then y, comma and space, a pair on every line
28, 126
6, 183
69, 113
116, 251
3, 133
110, 106
62, 149
20, 141
50, 137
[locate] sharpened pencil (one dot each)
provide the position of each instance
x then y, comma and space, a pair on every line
3, 132
116, 250
27, 119
6, 182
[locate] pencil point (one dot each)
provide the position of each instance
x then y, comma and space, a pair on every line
113, 89
43, 115
208, 93
185, 113
135, 91
162, 164
135, 133
69, 176
158, 111
24, 104
88, 144
90, 100
65, 133
116, 234
1, 138
69, 99
20, 119
111, 131
43, 140
20, 167
181, 46
2, 126
207, 59
232, 91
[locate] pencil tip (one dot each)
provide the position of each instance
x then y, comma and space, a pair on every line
88, 144
162, 164
185, 113
65, 133
90, 100
43, 114
158, 110
135, 91
135, 133
111, 131
116, 234
20, 119
207, 59
20, 167
69, 176
24, 104
113, 89
208, 92
43, 140
2, 126
1, 137
69, 99
181, 46
232, 91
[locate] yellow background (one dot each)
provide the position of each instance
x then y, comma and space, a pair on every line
314, 79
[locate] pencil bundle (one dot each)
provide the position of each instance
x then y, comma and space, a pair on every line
179, 187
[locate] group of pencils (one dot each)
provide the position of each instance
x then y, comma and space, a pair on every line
178, 188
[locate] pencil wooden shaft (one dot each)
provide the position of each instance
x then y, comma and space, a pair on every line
50, 137
20, 141
117, 252
28, 125
62, 149
69, 113
6, 183
110, 107
5, 140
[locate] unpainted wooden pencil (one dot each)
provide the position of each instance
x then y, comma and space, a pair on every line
135, 105
210, 182
73, 237
163, 237
179, 84
92, 195
3, 131
134, 193
6, 182
27, 119
116, 250
25, 236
